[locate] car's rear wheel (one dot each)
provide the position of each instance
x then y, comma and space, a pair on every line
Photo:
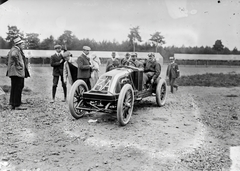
75, 98
161, 92
125, 104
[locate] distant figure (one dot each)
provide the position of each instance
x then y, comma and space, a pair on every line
17, 70
95, 61
57, 63
152, 70
135, 62
173, 73
84, 66
125, 61
112, 63
70, 68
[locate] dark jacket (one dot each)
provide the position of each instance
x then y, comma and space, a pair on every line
16, 63
57, 66
152, 66
111, 64
173, 70
84, 69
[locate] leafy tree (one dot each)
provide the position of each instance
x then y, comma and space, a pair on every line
235, 51
12, 33
157, 38
48, 43
134, 35
3, 44
66, 39
32, 40
218, 46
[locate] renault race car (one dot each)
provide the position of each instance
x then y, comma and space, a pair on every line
115, 92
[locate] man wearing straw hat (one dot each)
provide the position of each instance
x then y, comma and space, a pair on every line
17, 70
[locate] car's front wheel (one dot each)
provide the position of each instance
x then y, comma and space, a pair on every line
125, 104
161, 92
75, 98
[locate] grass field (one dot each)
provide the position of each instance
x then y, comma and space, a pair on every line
226, 74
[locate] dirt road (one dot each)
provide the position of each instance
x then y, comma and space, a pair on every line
195, 130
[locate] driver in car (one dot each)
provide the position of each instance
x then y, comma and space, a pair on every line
152, 70
135, 62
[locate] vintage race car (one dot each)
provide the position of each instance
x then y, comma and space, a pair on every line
115, 92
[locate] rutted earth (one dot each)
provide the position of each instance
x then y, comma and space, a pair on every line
195, 130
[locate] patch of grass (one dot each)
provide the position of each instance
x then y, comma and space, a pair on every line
210, 80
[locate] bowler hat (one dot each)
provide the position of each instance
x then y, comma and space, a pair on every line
18, 40
57, 47
86, 48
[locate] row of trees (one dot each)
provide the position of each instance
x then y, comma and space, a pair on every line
71, 42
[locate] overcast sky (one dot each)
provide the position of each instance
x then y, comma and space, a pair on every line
181, 22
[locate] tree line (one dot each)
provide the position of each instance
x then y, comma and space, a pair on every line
132, 43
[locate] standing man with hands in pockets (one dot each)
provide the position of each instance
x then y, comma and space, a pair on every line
84, 66
17, 70
172, 73
57, 63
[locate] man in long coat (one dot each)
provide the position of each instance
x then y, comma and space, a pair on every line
84, 66
17, 70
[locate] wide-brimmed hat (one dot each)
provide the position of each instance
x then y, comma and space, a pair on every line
57, 47
86, 48
18, 40
171, 57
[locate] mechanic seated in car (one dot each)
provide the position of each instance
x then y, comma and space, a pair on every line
125, 61
112, 63
152, 70
135, 62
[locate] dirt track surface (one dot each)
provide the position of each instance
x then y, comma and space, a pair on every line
195, 130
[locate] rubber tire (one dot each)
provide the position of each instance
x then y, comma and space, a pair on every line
73, 89
122, 121
161, 84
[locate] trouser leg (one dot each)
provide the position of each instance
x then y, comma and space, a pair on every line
54, 87
171, 81
17, 84
87, 81
64, 88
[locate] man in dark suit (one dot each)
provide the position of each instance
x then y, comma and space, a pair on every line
57, 63
84, 66
17, 70
173, 73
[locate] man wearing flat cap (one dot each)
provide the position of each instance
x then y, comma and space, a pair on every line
135, 62
152, 70
57, 63
112, 62
125, 61
172, 73
84, 66
17, 70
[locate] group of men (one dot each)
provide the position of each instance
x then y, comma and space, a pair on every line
82, 68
